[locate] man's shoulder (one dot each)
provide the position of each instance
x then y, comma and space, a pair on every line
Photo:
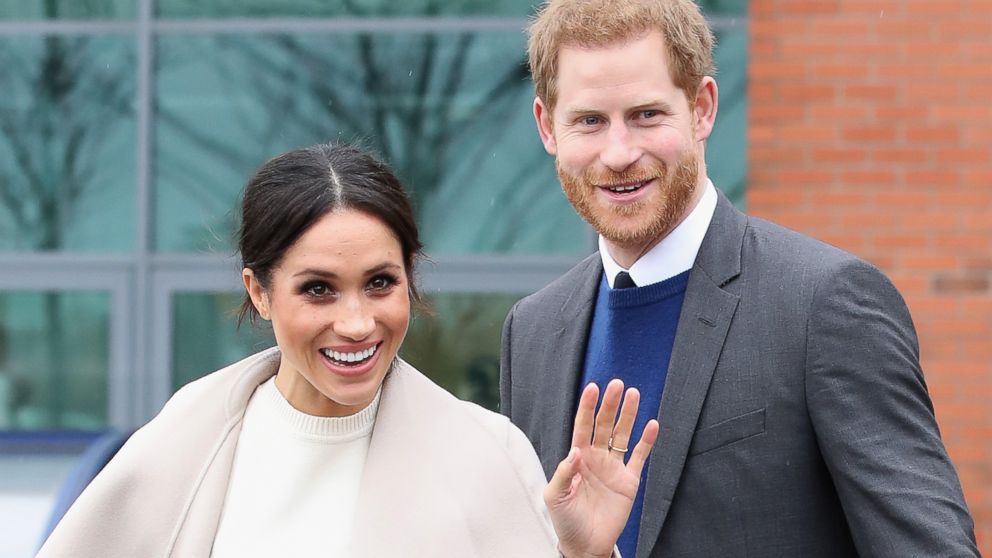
774, 242
556, 293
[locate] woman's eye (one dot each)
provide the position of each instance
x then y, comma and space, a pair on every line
381, 283
317, 290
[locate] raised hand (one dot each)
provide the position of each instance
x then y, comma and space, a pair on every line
593, 490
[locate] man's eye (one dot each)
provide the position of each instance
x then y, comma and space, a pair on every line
590, 120
649, 113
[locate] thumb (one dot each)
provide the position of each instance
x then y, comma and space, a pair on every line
560, 485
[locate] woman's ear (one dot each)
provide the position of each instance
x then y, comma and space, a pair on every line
257, 293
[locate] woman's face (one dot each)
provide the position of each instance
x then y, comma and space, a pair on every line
339, 305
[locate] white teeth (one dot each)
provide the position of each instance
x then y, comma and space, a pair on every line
350, 357
629, 188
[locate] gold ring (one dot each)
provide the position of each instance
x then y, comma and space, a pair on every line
614, 448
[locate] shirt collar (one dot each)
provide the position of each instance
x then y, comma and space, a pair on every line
675, 253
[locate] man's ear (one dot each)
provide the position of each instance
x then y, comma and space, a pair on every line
257, 293
704, 107
544, 126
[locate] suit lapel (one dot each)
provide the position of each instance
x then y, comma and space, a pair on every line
564, 363
707, 313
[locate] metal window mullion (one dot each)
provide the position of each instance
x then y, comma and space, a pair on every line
138, 383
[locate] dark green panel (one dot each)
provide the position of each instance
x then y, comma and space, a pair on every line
67, 135
67, 9
340, 8
450, 112
726, 150
206, 337
54, 358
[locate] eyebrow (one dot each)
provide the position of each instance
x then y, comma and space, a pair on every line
330, 275
663, 106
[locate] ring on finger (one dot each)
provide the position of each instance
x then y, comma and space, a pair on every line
615, 448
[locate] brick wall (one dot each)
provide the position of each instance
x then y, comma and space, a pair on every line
870, 127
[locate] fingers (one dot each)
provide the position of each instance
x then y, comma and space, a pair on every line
643, 448
628, 412
607, 415
560, 485
582, 431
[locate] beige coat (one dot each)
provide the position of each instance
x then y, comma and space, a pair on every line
443, 478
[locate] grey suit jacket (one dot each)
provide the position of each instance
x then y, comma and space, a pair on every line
794, 421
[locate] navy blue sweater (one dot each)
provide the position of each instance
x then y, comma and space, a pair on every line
631, 338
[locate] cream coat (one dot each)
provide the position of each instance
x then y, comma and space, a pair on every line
443, 478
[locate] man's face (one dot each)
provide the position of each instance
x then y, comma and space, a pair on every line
625, 140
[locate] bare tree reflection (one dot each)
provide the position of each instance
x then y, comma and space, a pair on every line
59, 107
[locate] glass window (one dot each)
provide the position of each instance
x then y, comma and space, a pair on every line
338, 8
726, 149
67, 135
54, 358
724, 7
458, 347
206, 337
450, 112
67, 9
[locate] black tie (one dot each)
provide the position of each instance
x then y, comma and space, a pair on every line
623, 281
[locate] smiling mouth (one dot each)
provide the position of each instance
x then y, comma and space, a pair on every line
351, 359
627, 188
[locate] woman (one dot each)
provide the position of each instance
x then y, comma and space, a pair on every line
329, 444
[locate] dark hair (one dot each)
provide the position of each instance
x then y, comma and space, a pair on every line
292, 191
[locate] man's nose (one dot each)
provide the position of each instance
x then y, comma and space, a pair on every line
621, 150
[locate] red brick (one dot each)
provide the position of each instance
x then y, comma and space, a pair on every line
840, 30
834, 112
962, 155
935, 134
870, 133
839, 70
838, 155
965, 27
808, 8
893, 155
878, 178
870, 92
932, 178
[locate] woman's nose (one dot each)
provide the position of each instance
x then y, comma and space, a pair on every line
356, 322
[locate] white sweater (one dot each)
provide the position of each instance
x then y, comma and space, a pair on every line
288, 467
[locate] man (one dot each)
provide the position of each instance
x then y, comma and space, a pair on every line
784, 372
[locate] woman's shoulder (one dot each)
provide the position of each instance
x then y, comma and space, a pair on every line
238, 379
468, 422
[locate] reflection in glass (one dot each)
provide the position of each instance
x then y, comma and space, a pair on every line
340, 8
54, 358
67, 129
450, 112
458, 347
205, 336
66, 9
